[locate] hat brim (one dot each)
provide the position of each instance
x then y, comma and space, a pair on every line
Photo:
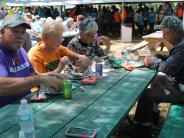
26, 25
158, 27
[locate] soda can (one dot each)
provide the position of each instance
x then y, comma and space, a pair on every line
99, 69
67, 89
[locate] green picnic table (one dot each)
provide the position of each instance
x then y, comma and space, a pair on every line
101, 107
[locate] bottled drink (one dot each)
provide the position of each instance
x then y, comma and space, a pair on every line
124, 54
131, 55
90, 71
112, 56
67, 89
99, 69
25, 114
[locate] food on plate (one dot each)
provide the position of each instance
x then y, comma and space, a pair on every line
76, 75
129, 67
38, 98
89, 80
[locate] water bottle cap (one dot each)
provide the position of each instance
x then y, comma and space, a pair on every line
23, 101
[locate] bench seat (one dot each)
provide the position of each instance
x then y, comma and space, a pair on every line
174, 123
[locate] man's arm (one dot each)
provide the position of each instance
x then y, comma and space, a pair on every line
13, 86
172, 66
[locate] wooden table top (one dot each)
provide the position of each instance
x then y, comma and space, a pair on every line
101, 107
155, 35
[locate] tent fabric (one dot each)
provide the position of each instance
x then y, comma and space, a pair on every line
45, 2
33, 2
67, 2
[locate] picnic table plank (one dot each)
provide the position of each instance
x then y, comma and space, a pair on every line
174, 123
11, 120
56, 115
106, 114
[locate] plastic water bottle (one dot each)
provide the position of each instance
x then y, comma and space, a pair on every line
90, 71
124, 54
25, 114
112, 57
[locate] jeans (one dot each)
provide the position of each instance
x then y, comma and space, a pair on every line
163, 89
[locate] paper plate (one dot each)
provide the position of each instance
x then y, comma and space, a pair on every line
136, 63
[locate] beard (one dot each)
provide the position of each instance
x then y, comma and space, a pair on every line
14, 47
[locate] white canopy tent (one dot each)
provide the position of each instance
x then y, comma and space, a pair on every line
45, 2
66, 2
34, 2
152, 1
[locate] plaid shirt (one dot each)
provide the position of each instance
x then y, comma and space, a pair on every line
90, 50
173, 65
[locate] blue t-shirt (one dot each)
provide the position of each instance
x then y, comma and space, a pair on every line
14, 64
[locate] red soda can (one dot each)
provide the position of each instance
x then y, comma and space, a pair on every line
99, 69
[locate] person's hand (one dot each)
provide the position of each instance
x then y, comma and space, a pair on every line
63, 61
83, 62
150, 60
97, 59
52, 79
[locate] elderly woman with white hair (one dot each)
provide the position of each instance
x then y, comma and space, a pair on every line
68, 24
50, 55
85, 43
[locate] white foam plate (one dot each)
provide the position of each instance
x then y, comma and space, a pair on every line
136, 63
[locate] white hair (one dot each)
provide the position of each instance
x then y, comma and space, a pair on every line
87, 26
49, 19
53, 27
59, 19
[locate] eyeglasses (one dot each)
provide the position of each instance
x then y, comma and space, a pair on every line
91, 35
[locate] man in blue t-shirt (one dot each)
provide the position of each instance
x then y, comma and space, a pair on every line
17, 75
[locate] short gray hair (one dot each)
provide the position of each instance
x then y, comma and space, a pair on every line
87, 26
173, 23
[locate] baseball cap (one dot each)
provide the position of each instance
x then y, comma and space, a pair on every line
14, 20
172, 22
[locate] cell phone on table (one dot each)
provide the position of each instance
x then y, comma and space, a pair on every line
79, 132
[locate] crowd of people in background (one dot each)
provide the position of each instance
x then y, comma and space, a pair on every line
46, 26
142, 17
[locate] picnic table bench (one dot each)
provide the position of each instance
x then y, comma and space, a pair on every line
155, 40
174, 123
101, 107
141, 49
